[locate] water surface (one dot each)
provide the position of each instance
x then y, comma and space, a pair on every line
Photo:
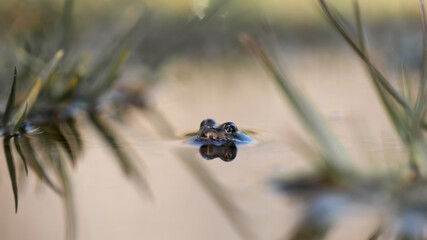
234, 89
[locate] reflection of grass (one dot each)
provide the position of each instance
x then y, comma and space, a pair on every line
336, 186
225, 203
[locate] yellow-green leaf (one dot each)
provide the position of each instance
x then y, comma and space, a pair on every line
29, 101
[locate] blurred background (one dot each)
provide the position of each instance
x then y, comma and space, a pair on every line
185, 63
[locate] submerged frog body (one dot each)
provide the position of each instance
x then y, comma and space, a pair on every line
211, 133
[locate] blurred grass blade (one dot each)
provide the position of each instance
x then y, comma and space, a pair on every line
109, 137
411, 225
418, 154
401, 121
312, 120
395, 117
199, 7
53, 131
21, 119
212, 10
421, 102
69, 135
61, 171
66, 24
64, 141
27, 59
323, 211
360, 31
29, 101
125, 162
128, 40
406, 84
379, 76
76, 135
190, 134
48, 70
11, 168
34, 164
379, 80
161, 124
69, 90
376, 235
111, 75
182, 33
308, 231
10, 102
224, 202
21, 154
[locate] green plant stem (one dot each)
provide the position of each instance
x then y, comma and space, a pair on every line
382, 80
332, 149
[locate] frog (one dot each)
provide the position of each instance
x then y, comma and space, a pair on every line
212, 133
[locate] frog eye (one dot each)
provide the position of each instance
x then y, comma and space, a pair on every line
209, 122
230, 127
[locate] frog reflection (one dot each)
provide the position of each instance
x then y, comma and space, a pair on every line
226, 152
219, 141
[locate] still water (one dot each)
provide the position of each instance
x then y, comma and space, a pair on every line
234, 89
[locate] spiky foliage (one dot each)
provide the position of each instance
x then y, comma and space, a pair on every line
335, 186
42, 123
